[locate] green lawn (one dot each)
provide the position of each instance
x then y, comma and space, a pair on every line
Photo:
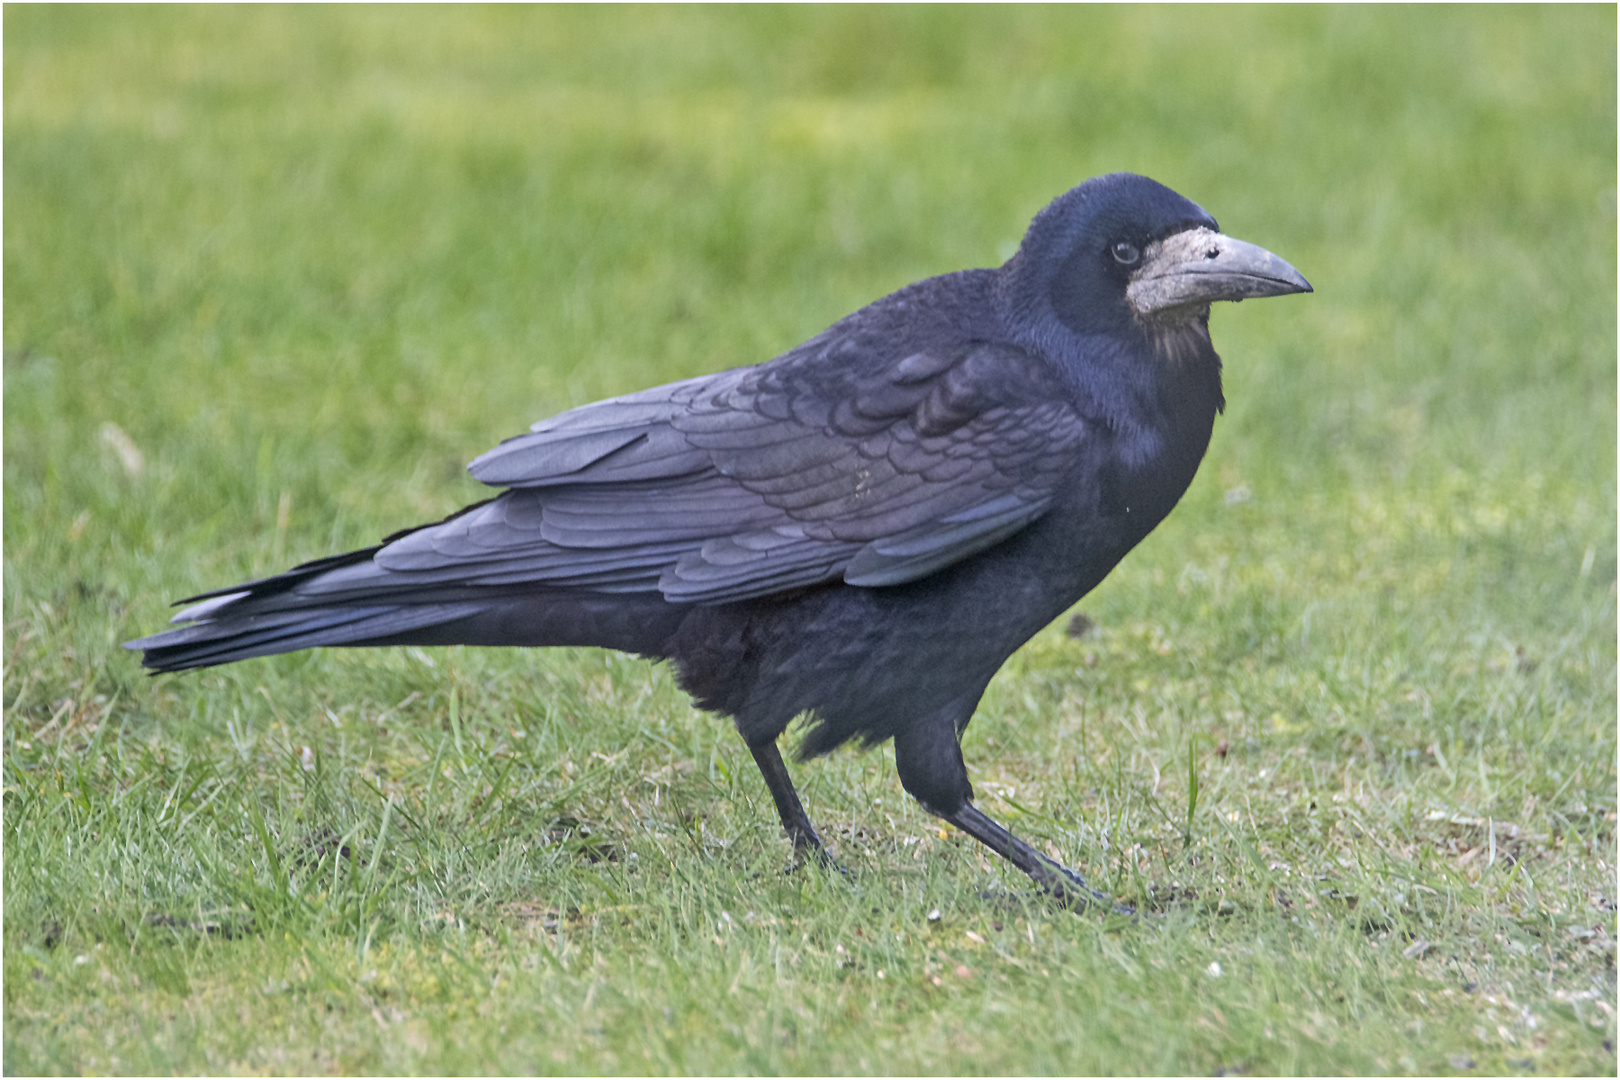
1344, 727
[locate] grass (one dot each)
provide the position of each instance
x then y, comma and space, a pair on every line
1345, 724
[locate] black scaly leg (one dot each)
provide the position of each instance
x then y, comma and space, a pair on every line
1064, 884
795, 821
928, 758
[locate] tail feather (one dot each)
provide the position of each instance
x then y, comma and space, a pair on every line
263, 588
229, 638
350, 600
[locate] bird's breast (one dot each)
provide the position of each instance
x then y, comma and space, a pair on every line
1145, 473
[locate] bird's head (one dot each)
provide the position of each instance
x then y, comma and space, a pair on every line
1122, 249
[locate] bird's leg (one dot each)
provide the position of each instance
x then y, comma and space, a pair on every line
795, 822
928, 757
1064, 884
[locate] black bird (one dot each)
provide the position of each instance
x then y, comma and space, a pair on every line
859, 531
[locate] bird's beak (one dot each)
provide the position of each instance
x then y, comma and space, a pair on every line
1200, 265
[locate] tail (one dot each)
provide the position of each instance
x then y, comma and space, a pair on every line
350, 600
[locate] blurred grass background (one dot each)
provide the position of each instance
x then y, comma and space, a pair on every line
1345, 723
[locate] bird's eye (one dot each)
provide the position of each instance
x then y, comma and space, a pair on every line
1125, 253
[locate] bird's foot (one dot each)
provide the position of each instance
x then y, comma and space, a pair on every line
807, 846
1070, 890
811, 852
1056, 880
1013, 901
821, 861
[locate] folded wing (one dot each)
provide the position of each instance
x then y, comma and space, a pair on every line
831, 463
